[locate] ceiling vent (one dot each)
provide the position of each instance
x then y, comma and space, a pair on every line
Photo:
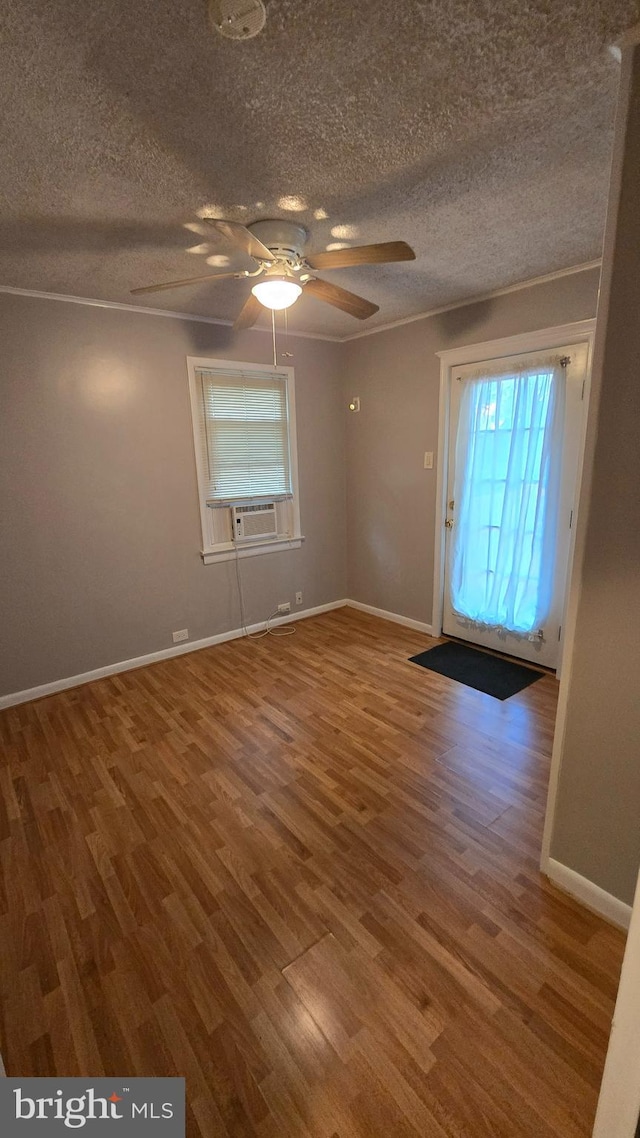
237, 19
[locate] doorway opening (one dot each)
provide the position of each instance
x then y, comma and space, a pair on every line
511, 442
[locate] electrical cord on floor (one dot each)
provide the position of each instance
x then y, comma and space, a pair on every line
267, 630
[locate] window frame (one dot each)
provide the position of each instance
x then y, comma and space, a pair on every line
288, 512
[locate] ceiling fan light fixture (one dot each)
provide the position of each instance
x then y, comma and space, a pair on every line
277, 292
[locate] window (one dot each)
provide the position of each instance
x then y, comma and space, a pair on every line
245, 449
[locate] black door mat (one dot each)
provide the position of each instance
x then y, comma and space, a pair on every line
479, 670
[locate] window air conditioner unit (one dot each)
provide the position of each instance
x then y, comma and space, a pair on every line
254, 523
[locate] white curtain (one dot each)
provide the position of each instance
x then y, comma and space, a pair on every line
507, 482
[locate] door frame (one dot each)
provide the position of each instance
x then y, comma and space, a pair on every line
580, 331
619, 1102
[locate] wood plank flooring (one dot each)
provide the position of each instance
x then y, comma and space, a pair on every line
303, 873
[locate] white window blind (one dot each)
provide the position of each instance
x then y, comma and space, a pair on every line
244, 432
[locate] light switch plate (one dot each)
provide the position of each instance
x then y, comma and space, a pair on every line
428, 460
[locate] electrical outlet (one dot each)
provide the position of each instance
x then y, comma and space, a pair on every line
298, 598
183, 634
285, 606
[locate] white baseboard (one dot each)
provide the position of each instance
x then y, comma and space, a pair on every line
589, 894
14, 698
408, 621
153, 657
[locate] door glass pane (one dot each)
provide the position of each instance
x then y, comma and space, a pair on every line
508, 457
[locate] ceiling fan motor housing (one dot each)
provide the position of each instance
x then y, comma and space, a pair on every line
237, 19
285, 239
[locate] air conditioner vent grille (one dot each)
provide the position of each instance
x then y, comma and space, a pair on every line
252, 523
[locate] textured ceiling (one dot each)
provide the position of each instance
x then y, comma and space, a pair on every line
477, 130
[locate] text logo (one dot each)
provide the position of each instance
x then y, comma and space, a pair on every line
129, 1107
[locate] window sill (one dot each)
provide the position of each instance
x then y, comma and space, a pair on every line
227, 552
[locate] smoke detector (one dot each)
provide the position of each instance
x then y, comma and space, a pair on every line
237, 19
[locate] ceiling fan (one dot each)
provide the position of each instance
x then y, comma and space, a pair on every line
284, 271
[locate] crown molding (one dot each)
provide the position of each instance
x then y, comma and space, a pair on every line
120, 306
140, 310
530, 283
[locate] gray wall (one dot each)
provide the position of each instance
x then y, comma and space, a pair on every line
391, 498
101, 530
597, 821
102, 537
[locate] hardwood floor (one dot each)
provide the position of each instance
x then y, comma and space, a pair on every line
303, 873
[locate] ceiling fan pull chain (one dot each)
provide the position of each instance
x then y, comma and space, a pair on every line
273, 329
286, 355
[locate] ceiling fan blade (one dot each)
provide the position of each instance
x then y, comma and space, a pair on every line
339, 297
248, 314
362, 255
188, 281
241, 237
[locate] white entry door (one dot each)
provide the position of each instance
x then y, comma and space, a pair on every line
515, 429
